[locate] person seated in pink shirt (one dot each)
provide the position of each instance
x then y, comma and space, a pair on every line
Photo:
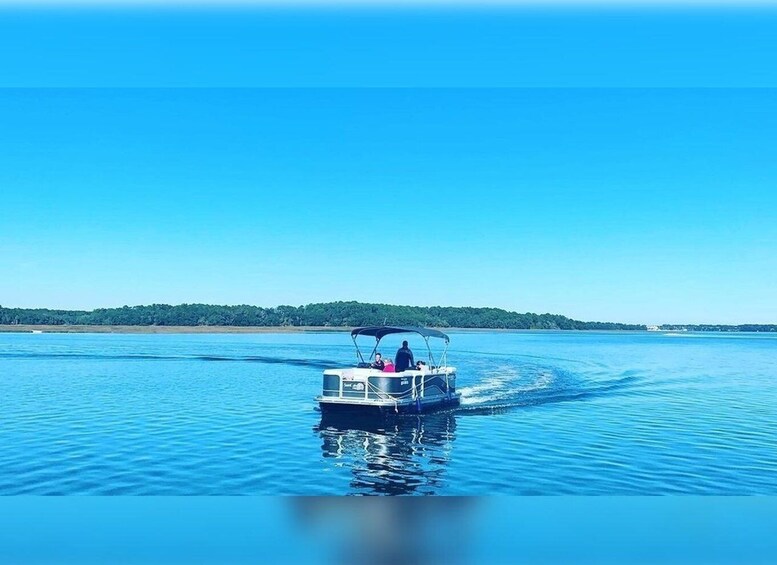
389, 367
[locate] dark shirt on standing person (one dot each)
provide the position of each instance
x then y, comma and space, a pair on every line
404, 359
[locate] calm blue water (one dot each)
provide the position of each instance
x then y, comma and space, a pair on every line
543, 413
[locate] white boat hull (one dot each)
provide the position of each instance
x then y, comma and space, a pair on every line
359, 390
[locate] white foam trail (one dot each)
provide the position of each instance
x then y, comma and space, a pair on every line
500, 384
485, 391
682, 335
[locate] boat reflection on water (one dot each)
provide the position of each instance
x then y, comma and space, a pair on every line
404, 455
396, 456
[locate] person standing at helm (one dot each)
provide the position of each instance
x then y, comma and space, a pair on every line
404, 358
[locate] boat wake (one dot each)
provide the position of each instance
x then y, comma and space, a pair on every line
513, 386
502, 384
272, 360
498, 386
313, 363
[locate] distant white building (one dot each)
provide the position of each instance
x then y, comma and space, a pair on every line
653, 328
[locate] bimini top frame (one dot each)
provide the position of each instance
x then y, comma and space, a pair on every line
379, 332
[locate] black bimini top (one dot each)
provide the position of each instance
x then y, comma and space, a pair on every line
379, 332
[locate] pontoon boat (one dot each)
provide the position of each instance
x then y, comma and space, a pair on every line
363, 388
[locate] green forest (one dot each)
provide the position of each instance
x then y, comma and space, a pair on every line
334, 314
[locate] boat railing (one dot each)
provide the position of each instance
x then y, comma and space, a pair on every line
415, 392
379, 393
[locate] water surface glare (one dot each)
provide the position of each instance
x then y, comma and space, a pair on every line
542, 413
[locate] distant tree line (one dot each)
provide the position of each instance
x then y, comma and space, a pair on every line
328, 314
720, 328
334, 314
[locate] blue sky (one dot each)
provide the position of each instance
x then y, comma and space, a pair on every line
636, 205
342, 46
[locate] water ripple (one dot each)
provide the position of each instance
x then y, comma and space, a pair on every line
551, 413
